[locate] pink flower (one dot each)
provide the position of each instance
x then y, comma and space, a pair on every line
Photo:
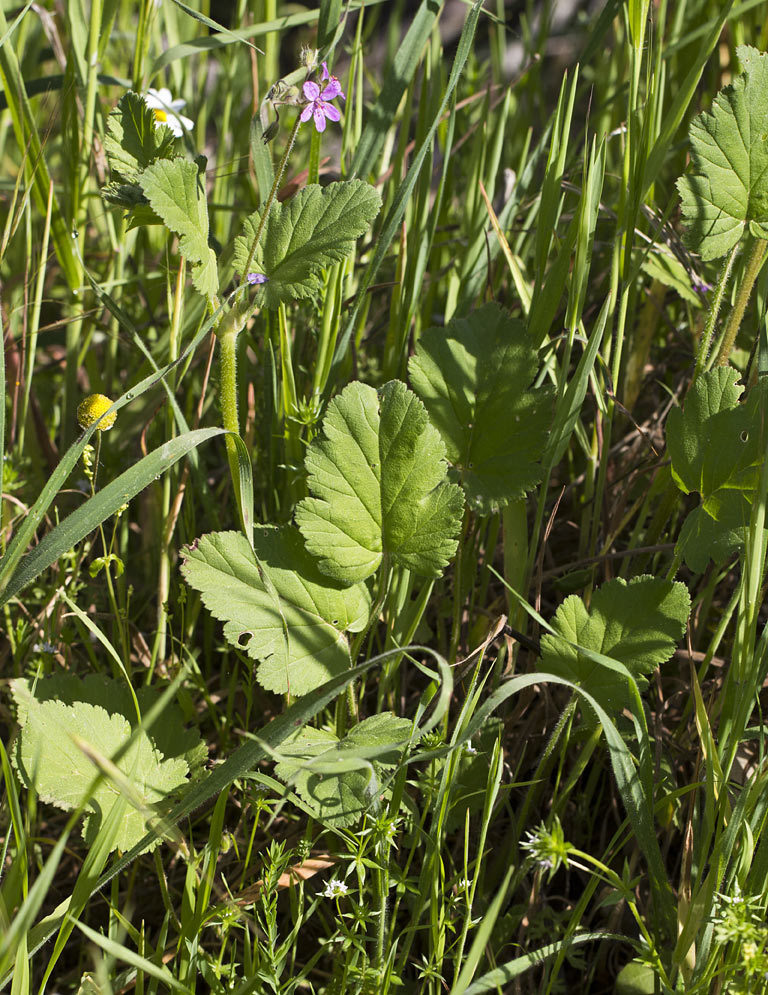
318, 106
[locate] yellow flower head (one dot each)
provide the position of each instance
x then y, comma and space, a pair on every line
91, 408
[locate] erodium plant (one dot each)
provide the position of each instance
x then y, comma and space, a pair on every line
447, 785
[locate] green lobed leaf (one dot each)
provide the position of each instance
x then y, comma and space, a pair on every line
176, 194
703, 538
317, 611
377, 474
636, 978
303, 236
714, 440
341, 798
716, 443
48, 757
237, 765
637, 624
171, 736
133, 141
474, 377
728, 189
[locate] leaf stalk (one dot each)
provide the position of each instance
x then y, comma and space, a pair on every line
754, 265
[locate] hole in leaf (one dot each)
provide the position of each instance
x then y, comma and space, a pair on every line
244, 638
744, 436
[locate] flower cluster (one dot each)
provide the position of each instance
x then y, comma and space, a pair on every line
548, 847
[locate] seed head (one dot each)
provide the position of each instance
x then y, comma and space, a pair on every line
91, 408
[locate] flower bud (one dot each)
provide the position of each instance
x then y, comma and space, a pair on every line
91, 408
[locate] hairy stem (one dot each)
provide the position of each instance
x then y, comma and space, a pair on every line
754, 264
228, 400
272, 192
714, 310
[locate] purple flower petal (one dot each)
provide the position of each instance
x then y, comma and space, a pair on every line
256, 278
332, 91
306, 114
319, 112
326, 74
311, 90
331, 112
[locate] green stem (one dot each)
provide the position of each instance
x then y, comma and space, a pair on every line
458, 590
328, 332
227, 334
75, 329
385, 574
674, 566
381, 884
754, 264
272, 192
97, 453
34, 323
140, 46
717, 300
743, 677
313, 173
119, 621
228, 343
515, 520
90, 103
228, 398
164, 572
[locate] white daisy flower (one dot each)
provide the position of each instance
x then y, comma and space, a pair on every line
167, 109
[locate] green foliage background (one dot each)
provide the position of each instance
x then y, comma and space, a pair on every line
407, 631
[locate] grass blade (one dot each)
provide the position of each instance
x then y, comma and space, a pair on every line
395, 215
379, 118
98, 508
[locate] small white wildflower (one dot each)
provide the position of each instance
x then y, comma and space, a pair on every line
469, 749
167, 110
335, 888
44, 647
